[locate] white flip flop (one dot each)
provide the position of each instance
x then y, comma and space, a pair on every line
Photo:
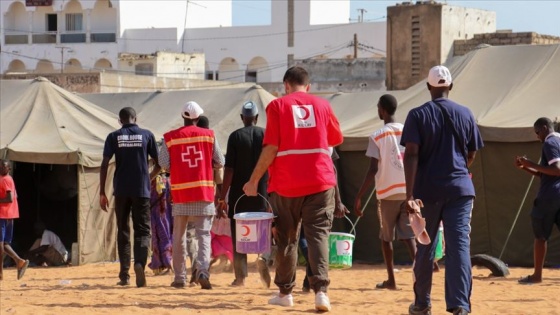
418, 223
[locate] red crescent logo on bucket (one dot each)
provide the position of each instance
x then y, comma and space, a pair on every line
347, 245
247, 230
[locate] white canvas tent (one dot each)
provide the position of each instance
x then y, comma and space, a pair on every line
507, 88
42, 123
161, 111
504, 86
47, 125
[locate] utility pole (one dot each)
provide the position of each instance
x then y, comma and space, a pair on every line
185, 25
62, 57
355, 45
361, 17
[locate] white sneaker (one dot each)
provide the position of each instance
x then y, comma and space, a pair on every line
286, 300
322, 303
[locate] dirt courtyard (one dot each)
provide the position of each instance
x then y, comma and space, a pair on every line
91, 289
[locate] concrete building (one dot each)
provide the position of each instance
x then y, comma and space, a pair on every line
502, 38
113, 82
421, 35
347, 75
164, 64
46, 36
263, 53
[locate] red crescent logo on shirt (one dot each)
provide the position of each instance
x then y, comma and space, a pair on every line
306, 111
347, 245
247, 230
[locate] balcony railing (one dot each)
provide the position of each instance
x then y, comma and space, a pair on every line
57, 38
15, 39
46, 38
73, 38
103, 37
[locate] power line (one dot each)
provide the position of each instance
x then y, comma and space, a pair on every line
262, 70
270, 67
336, 48
370, 47
208, 38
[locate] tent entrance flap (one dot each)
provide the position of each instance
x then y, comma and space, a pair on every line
46, 193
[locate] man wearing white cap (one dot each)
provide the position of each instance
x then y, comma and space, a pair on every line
190, 153
441, 138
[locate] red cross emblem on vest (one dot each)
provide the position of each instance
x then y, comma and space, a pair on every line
192, 156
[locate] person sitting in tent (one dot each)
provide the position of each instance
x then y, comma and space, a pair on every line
47, 250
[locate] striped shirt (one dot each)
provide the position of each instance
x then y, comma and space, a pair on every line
384, 146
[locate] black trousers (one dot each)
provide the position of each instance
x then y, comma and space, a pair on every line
140, 210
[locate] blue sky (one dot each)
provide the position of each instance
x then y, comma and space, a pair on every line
520, 16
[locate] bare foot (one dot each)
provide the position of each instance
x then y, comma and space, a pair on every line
20, 263
238, 283
529, 280
21, 267
386, 285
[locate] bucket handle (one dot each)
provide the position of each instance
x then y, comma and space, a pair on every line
353, 230
235, 206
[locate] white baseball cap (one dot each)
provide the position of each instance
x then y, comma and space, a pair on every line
439, 76
191, 110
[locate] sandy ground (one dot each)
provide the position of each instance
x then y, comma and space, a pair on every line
91, 289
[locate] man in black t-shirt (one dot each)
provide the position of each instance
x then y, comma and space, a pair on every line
131, 146
243, 150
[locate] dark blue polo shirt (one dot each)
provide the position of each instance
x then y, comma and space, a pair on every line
550, 185
131, 146
442, 169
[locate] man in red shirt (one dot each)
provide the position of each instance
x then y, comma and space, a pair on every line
300, 129
8, 212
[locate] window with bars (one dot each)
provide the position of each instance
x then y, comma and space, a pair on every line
74, 21
415, 47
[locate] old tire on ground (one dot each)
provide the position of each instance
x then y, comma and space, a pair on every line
498, 267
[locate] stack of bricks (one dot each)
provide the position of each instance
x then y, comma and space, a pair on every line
462, 47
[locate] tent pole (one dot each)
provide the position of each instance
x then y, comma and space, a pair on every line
518, 212
353, 230
38, 218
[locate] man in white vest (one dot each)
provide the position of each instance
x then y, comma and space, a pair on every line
386, 174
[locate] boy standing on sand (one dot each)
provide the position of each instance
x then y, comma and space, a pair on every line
8, 212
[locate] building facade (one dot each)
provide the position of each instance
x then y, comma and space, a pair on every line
49, 36
164, 64
502, 38
420, 35
46, 36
